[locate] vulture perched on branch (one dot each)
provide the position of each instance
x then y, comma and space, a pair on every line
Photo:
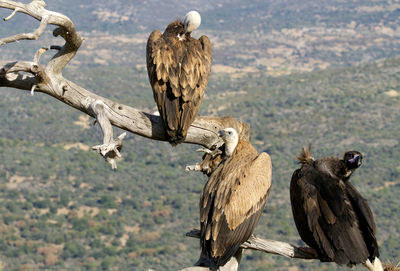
330, 214
233, 198
178, 66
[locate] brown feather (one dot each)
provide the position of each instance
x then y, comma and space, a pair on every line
305, 155
179, 70
232, 201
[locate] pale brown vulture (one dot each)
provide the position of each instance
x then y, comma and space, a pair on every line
178, 67
330, 214
233, 198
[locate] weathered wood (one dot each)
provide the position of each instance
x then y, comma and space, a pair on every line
48, 79
268, 246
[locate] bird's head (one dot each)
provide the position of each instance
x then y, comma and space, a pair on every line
175, 28
230, 138
191, 21
352, 159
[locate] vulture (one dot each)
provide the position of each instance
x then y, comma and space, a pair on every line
178, 66
330, 214
233, 198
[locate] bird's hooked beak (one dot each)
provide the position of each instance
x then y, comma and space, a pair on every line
355, 160
221, 133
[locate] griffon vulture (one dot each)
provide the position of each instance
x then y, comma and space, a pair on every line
233, 198
330, 214
178, 66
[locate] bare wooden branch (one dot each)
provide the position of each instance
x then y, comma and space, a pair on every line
49, 80
110, 149
39, 53
27, 36
269, 246
12, 14
203, 264
66, 29
277, 247
35, 6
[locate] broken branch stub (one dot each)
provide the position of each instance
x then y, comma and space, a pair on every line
110, 149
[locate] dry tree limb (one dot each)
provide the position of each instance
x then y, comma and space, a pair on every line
48, 79
268, 246
254, 243
110, 149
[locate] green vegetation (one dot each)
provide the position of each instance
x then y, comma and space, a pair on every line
83, 215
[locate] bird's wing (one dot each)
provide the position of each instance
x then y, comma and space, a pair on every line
196, 67
366, 218
193, 79
178, 81
330, 219
233, 206
249, 191
362, 206
163, 74
161, 64
306, 200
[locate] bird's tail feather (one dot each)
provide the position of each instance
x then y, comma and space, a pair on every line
305, 155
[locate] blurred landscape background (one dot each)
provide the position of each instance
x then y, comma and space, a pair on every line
300, 72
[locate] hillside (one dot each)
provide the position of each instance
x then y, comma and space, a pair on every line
277, 37
58, 195
63, 208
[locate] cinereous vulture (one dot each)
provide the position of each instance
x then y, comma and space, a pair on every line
330, 214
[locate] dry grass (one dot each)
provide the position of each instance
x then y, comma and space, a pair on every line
392, 267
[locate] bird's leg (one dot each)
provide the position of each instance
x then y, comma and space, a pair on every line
310, 250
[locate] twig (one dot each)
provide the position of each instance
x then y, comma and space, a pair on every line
12, 14
27, 36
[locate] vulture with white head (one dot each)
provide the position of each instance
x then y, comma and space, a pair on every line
178, 66
233, 198
330, 214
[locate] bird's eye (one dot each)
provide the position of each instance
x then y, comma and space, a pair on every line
229, 133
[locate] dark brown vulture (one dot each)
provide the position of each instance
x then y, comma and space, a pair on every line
233, 198
330, 214
178, 67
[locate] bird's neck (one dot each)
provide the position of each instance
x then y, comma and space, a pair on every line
230, 147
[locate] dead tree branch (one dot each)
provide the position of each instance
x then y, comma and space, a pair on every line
48, 79
254, 243
268, 246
